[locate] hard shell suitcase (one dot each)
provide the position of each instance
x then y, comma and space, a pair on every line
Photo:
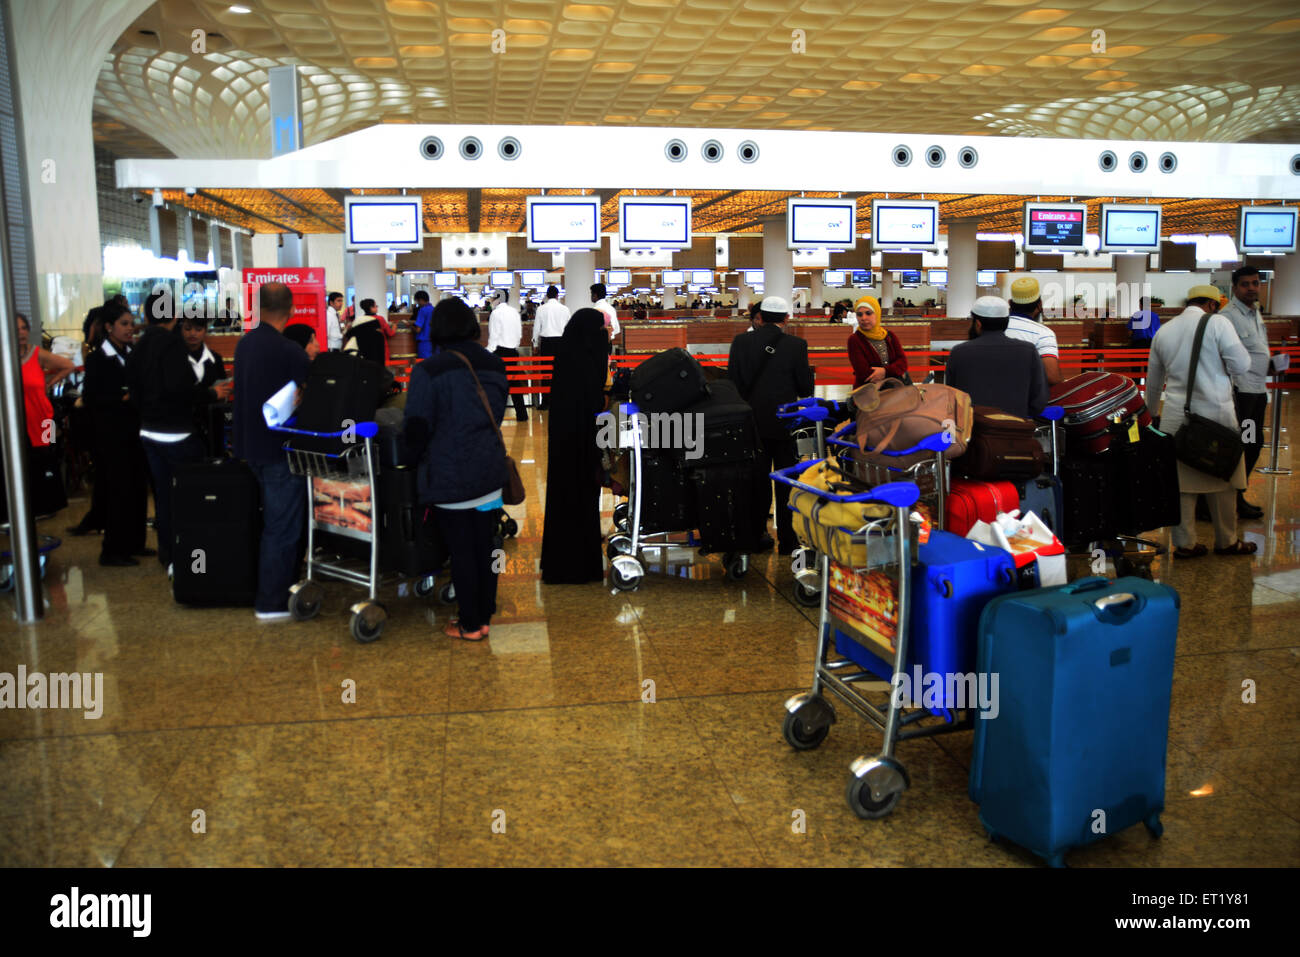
216, 525
970, 501
951, 584
669, 381
1043, 497
1089, 401
410, 543
1077, 748
1089, 500
1147, 470
1002, 446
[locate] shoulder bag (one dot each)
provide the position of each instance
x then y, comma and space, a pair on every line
1202, 443
513, 492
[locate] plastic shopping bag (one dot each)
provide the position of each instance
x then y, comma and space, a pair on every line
1038, 554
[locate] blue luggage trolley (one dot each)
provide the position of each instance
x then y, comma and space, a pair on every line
807, 418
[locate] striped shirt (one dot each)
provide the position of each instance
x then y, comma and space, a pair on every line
1036, 334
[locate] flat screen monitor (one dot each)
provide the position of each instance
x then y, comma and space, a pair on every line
563, 222
1053, 227
383, 222
1126, 227
904, 224
1267, 229
833, 277
752, 277
445, 280
501, 278
659, 222
938, 277
821, 223
532, 277
618, 277
702, 277
861, 278
986, 277
910, 277
673, 277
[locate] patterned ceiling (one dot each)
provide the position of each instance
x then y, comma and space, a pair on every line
1151, 69
713, 211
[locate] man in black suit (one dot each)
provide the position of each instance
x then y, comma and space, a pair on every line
770, 369
996, 370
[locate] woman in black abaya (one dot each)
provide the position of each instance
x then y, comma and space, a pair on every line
571, 540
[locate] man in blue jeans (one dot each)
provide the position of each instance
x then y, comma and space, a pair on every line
264, 362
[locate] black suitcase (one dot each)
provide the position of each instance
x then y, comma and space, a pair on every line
725, 504
667, 499
668, 382
216, 526
218, 425
726, 433
339, 387
1090, 500
1043, 497
1147, 471
409, 541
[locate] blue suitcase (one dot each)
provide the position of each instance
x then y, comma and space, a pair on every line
954, 580
1077, 748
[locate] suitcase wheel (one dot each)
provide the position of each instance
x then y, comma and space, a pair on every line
367, 622
1154, 827
808, 719
305, 600
737, 566
424, 587
447, 593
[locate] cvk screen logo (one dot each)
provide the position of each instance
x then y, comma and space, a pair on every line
76, 910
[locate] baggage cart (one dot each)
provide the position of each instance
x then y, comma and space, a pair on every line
45, 544
876, 781
807, 418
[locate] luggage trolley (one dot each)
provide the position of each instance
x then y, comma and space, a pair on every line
342, 480
807, 418
45, 544
876, 782
626, 547
930, 474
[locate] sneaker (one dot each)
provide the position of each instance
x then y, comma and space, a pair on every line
273, 616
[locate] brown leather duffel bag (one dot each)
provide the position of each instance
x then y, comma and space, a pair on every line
894, 416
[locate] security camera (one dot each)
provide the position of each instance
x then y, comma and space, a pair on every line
138, 197
190, 190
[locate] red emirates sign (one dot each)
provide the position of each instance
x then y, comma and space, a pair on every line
308, 288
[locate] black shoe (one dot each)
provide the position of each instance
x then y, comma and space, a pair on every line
145, 552
764, 544
1247, 510
521, 418
78, 530
117, 561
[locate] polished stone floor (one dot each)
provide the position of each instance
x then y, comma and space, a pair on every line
594, 728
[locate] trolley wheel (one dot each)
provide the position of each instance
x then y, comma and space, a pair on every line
626, 573
367, 622
618, 545
807, 724
447, 593
44, 561
510, 527
426, 586
1154, 827
808, 597
6, 578
305, 599
621, 513
737, 566
875, 786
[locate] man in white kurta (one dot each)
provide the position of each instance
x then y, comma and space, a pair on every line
1222, 357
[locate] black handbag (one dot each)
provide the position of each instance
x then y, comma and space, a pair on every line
1202, 443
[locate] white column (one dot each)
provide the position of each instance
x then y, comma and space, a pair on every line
292, 252
886, 291
1130, 280
816, 293
579, 274
963, 257
325, 251
670, 297
1285, 292
266, 250
516, 291
744, 293
371, 278
778, 261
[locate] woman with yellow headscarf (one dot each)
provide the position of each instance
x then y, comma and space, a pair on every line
875, 352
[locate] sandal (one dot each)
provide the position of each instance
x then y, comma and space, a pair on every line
1238, 548
454, 630
1196, 551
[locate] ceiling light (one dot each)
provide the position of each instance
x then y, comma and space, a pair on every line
238, 9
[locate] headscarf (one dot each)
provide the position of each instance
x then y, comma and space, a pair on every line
582, 358
878, 332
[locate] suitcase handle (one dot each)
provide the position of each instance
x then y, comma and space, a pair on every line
1085, 584
1118, 608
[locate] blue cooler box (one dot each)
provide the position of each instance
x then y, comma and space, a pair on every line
1077, 749
952, 583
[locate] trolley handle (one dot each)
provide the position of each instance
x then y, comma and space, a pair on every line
1052, 413
937, 442
898, 494
365, 430
811, 409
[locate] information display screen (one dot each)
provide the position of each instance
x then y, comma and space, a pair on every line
862, 278
898, 224
821, 223
1267, 229
673, 277
702, 277
501, 278
1132, 228
833, 277
532, 277
1052, 227
753, 277
938, 277
662, 222
911, 277
445, 280
383, 222
986, 277
618, 277
569, 222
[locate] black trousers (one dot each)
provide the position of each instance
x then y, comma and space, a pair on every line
777, 453
546, 346
122, 472
1251, 406
468, 533
521, 411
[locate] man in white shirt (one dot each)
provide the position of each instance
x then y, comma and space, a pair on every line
334, 325
1250, 388
548, 327
1025, 323
505, 329
598, 301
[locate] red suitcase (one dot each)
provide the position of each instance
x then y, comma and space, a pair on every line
970, 501
1090, 402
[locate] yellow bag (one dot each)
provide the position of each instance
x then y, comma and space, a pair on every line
822, 524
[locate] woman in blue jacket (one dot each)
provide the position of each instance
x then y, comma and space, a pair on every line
462, 463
